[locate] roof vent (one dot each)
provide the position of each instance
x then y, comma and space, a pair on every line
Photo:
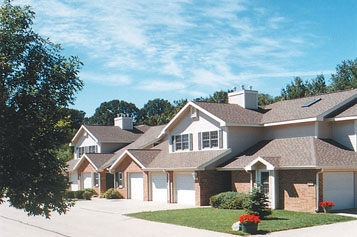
308, 104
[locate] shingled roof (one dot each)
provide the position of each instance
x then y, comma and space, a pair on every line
232, 113
145, 140
114, 133
300, 152
184, 160
288, 110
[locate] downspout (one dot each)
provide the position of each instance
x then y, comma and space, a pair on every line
318, 189
167, 185
100, 183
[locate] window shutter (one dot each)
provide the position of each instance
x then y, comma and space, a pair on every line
173, 143
199, 141
220, 138
191, 142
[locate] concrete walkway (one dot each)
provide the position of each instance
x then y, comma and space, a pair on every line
101, 217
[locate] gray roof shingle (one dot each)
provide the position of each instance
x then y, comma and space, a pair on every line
297, 152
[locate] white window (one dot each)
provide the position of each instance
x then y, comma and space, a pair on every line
210, 139
96, 179
92, 149
80, 151
180, 142
120, 178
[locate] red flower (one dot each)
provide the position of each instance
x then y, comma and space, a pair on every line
326, 204
247, 218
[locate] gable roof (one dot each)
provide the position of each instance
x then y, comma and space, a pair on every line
313, 108
95, 159
300, 152
292, 110
145, 140
185, 160
232, 114
110, 134
143, 157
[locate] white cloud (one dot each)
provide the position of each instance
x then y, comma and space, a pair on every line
160, 85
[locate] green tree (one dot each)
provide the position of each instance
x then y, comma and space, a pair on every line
265, 99
345, 77
316, 86
107, 111
156, 112
296, 89
36, 83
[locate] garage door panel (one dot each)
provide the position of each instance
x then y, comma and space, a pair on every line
339, 188
159, 187
136, 186
87, 180
185, 188
74, 180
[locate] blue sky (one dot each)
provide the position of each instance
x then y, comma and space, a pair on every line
142, 50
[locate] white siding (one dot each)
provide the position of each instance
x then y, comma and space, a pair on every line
188, 125
291, 130
344, 132
241, 138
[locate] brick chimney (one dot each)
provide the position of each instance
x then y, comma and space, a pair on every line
247, 99
124, 122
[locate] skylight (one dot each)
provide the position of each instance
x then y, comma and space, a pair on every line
308, 104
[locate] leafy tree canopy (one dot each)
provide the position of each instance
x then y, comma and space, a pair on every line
107, 111
36, 84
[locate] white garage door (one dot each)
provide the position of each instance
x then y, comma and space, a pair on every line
158, 187
74, 181
185, 188
339, 188
136, 186
87, 180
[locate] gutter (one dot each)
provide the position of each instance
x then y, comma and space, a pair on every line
318, 189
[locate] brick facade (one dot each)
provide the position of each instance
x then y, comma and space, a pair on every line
209, 183
297, 190
129, 166
241, 181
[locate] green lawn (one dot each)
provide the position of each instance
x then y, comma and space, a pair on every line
221, 220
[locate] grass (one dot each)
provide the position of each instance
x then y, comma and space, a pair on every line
221, 220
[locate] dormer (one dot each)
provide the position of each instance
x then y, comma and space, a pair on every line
247, 99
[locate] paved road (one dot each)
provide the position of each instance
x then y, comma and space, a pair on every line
105, 218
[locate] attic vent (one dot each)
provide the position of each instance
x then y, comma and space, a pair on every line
308, 104
194, 112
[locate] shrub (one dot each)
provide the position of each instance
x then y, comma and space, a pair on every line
78, 194
112, 194
92, 191
69, 194
257, 203
228, 200
87, 195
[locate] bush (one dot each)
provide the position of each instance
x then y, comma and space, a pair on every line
69, 194
257, 204
112, 194
87, 195
78, 194
92, 191
228, 200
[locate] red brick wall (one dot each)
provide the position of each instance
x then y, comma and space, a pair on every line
129, 166
209, 183
241, 181
294, 192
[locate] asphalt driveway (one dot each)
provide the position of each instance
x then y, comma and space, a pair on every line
101, 217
